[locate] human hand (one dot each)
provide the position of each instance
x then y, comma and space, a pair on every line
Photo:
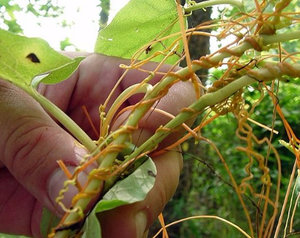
31, 142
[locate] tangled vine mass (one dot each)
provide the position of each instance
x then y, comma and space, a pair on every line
257, 57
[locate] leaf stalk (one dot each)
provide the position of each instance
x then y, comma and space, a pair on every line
64, 119
210, 3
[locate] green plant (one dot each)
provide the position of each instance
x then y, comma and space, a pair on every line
256, 57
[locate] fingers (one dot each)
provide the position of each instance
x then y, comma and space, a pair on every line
89, 86
31, 142
94, 80
132, 221
12, 221
179, 96
97, 76
30, 145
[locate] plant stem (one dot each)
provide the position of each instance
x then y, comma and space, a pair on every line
65, 120
283, 37
211, 99
128, 92
203, 102
210, 3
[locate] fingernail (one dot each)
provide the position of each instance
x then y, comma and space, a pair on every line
58, 178
80, 153
141, 224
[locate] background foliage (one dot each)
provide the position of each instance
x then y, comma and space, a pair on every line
39, 8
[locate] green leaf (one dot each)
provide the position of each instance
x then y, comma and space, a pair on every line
22, 58
12, 236
92, 227
57, 75
48, 221
132, 189
136, 26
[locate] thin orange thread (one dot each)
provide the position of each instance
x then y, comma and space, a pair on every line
163, 225
84, 109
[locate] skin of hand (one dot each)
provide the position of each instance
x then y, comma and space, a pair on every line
31, 142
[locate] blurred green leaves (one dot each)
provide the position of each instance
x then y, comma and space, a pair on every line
38, 8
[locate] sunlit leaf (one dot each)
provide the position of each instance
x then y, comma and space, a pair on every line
137, 25
132, 189
22, 58
57, 75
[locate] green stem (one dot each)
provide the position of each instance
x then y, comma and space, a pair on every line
65, 120
211, 99
283, 37
127, 93
210, 3
203, 102
288, 146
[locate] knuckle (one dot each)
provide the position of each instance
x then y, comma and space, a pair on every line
23, 147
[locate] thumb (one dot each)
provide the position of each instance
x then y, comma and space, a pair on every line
134, 220
31, 143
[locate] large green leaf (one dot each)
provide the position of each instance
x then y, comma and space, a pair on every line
132, 189
136, 26
22, 58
